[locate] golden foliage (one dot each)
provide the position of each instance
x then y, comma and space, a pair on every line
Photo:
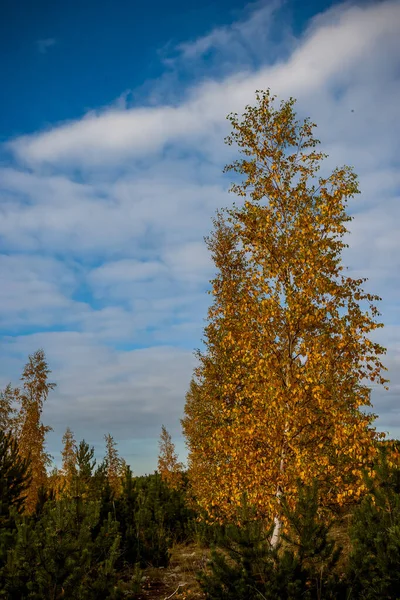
8, 397
31, 432
279, 391
168, 466
114, 465
69, 464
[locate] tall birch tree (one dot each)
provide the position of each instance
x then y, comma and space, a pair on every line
280, 390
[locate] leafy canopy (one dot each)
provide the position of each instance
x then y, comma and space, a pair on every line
279, 392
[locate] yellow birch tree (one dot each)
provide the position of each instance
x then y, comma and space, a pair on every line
114, 465
169, 467
8, 397
279, 391
31, 431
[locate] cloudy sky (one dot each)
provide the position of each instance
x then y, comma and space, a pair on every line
112, 119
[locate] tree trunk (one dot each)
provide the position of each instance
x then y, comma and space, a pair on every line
276, 534
277, 520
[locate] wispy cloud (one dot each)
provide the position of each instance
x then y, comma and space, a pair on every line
247, 42
328, 57
44, 44
103, 218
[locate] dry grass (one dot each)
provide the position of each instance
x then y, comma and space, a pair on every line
340, 533
178, 580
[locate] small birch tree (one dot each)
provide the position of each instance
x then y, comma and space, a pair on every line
114, 465
69, 460
8, 397
169, 467
31, 431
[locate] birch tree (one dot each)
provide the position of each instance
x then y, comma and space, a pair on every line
169, 467
31, 431
114, 465
8, 397
280, 390
69, 460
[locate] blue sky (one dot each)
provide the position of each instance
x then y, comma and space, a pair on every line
112, 119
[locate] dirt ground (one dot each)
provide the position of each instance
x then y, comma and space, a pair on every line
178, 580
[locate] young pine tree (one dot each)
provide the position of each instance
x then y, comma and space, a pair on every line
83, 481
307, 566
65, 553
31, 431
242, 564
374, 566
169, 467
303, 566
14, 481
279, 390
125, 512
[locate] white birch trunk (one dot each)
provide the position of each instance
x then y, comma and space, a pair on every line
276, 533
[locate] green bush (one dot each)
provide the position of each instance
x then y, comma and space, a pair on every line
374, 565
242, 561
58, 555
14, 479
245, 566
152, 517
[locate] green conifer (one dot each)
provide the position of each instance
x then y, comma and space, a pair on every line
374, 569
63, 555
242, 561
14, 481
82, 481
246, 566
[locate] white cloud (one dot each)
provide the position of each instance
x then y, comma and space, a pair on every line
130, 270
237, 44
100, 389
117, 258
330, 54
190, 261
42, 213
34, 289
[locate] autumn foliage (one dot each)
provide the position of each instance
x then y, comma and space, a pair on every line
114, 465
277, 395
31, 432
169, 467
277, 419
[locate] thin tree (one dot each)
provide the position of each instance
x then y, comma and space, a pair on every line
114, 465
83, 484
31, 431
169, 467
8, 397
69, 460
279, 391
